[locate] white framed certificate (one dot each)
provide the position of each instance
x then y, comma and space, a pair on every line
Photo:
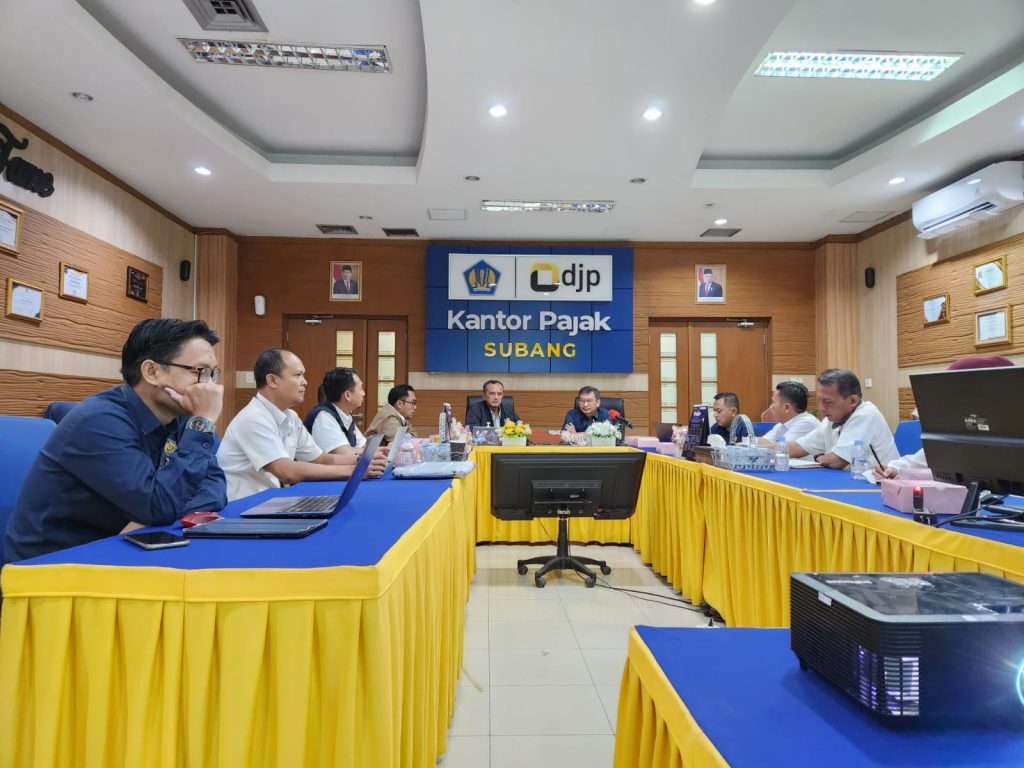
24, 301
936, 309
992, 326
10, 228
74, 283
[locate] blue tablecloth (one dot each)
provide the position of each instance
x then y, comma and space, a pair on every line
748, 695
815, 479
380, 512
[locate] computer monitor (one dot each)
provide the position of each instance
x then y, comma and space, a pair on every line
584, 484
972, 426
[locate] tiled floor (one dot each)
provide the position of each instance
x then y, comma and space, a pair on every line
541, 669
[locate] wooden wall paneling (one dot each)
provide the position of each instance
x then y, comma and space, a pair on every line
216, 276
906, 403
23, 393
836, 311
101, 325
944, 342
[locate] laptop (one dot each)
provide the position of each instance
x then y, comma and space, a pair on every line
487, 435
396, 445
237, 528
317, 507
434, 470
662, 431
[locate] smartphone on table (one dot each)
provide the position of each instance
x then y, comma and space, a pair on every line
155, 539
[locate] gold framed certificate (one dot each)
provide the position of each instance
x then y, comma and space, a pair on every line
990, 275
24, 301
992, 326
10, 228
74, 283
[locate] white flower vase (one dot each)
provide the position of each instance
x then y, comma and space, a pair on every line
602, 442
513, 442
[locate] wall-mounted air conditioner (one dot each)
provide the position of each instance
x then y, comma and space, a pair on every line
978, 197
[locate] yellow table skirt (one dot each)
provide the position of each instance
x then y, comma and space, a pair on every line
541, 530
318, 667
654, 728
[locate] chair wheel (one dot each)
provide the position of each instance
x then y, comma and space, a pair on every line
540, 581
605, 570
522, 569
590, 582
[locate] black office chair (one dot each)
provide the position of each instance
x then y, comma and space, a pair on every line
472, 400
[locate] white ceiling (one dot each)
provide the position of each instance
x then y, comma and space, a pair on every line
782, 159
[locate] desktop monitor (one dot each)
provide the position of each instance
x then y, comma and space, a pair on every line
583, 484
972, 426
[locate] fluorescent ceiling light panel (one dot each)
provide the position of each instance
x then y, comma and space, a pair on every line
336, 58
856, 65
549, 206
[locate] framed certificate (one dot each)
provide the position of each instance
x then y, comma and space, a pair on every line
936, 309
990, 275
137, 286
992, 326
24, 301
74, 283
10, 228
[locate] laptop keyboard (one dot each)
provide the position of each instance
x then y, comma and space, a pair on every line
313, 504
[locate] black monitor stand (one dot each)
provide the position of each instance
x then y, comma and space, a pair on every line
563, 560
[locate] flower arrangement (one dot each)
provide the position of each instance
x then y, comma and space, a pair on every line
679, 436
603, 429
515, 429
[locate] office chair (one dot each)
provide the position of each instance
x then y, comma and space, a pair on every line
908, 437
21, 439
472, 400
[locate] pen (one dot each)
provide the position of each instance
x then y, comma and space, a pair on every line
875, 454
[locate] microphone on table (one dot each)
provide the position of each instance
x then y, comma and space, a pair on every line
616, 416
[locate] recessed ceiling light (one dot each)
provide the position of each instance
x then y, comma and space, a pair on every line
972, 182
548, 206
856, 65
81, 96
366, 218
498, 110
472, 178
338, 58
896, 180
637, 180
703, 2
202, 170
721, 222
652, 113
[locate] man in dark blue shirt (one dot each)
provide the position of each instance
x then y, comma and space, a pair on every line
728, 424
588, 410
141, 453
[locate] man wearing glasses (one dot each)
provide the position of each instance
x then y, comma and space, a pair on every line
397, 413
138, 454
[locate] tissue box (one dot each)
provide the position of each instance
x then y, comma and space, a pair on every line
916, 474
668, 449
647, 443
942, 498
631, 441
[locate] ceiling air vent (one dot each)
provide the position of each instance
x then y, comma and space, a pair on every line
401, 232
226, 15
720, 232
337, 229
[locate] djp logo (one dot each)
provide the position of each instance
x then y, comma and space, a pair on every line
544, 278
577, 278
482, 279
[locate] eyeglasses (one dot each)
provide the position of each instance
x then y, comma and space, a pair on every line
409, 402
203, 375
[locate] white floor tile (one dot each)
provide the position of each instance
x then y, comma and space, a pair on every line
524, 590
467, 752
658, 615
531, 634
472, 713
600, 634
545, 751
600, 608
504, 609
477, 635
605, 664
522, 710
475, 661
534, 666
610, 699
476, 606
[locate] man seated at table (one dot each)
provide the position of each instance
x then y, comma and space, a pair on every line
847, 418
266, 446
917, 459
395, 415
588, 411
789, 409
728, 425
332, 422
492, 411
138, 454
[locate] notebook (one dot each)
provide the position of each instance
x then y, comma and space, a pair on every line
237, 528
317, 506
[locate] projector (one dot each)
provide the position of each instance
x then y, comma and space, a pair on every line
928, 648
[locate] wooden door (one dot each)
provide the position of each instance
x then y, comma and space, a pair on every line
386, 362
669, 377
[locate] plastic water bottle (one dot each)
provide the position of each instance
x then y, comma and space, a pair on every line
406, 453
781, 454
859, 460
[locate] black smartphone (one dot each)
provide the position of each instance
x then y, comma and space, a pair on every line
156, 539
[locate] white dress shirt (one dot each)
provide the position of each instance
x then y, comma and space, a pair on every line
865, 423
800, 425
259, 434
328, 435
910, 461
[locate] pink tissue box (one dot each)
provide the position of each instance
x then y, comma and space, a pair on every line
650, 443
942, 498
916, 475
631, 441
667, 449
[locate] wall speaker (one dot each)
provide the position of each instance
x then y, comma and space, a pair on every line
185, 269
869, 277
259, 305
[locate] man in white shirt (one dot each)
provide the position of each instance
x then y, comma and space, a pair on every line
789, 409
266, 446
848, 418
332, 422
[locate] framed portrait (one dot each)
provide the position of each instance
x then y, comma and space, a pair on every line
10, 228
710, 283
936, 309
24, 301
137, 285
990, 275
346, 281
992, 326
74, 283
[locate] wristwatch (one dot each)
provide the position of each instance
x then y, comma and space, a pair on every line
200, 424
